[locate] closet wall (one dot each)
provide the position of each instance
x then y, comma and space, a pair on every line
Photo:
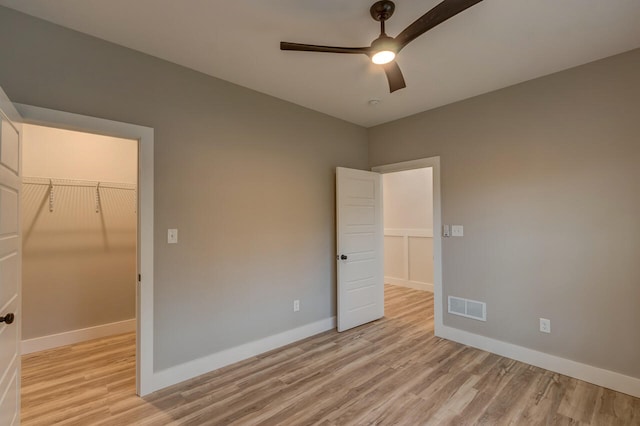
79, 244
408, 228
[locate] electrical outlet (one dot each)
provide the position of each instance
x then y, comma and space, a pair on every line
296, 305
545, 325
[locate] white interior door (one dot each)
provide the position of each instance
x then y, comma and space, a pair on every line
10, 262
360, 247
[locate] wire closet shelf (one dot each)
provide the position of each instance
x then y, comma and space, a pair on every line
52, 183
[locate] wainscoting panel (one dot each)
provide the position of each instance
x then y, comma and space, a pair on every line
420, 259
394, 256
408, 258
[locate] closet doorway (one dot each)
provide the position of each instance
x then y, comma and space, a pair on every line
79, 222
145, 379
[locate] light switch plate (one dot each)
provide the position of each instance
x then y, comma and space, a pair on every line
545, 325
457, 230
172, 236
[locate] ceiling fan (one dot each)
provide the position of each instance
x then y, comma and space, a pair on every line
384, 49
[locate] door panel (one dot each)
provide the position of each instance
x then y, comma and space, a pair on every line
9, 399
9, 211
358, 242
8, 336
362, 297
360, 239
9, 146
356, 216
359, 188
8, 278
356, 271
10, 262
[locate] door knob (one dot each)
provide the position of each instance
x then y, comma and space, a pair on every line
343, 257
7, 318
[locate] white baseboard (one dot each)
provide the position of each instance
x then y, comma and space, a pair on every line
416, 285
76, 336
588, 373
191, 369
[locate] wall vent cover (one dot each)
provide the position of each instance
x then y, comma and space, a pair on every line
467, 308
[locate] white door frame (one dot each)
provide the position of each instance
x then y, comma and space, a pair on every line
434, 163
144, 293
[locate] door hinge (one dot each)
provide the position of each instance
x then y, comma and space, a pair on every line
139, 278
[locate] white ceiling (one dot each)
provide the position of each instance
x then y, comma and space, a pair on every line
494, 44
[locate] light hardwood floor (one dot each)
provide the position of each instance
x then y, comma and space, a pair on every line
392, 371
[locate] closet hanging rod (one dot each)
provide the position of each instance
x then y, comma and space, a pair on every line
77, 183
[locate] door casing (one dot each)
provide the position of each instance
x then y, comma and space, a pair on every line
144, 290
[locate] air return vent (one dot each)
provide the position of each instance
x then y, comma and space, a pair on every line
468, 308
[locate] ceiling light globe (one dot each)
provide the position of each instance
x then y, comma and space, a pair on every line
383, 57
385, 49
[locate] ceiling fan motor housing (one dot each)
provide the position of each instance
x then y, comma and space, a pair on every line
382, 10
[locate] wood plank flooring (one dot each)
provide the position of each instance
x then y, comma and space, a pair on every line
390, 372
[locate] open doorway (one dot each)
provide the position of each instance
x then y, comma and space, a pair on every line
408, 228
145, 378
79, 269
413, 245
79, 218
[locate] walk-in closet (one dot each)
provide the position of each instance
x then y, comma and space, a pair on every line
79, 219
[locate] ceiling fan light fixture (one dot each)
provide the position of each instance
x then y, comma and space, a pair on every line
383, 57
385, 50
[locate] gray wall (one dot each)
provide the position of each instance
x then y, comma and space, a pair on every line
545, 178
246, 178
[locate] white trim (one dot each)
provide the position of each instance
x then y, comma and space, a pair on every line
76, 336
416, 285
408, 232
434, 163
144, 294
588, 373
188, 370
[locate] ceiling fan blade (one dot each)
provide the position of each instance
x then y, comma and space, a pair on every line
443, 11
284, 45
394, 76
